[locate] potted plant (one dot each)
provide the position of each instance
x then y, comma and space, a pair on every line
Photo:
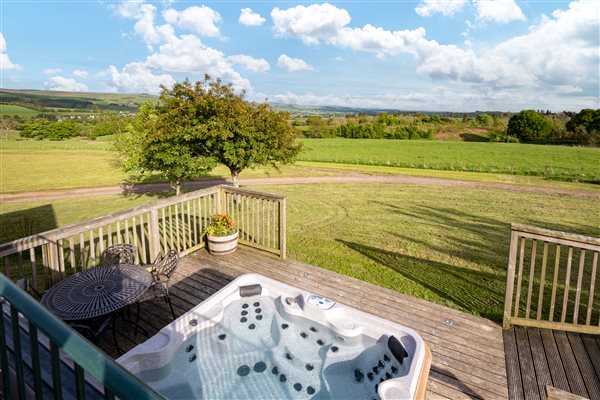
221, 234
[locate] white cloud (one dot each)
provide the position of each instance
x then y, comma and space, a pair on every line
293, 64
312, 24
173, 54
200, 19
250, 63
445, 7
144, 14
80, 73
501, 11
562, 50
5, 63
187, 54
249, 18
65, 84
52, 71
137, 78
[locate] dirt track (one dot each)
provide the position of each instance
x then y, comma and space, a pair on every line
356, 178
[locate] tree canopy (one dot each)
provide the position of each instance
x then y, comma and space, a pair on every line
529, 126
194, 126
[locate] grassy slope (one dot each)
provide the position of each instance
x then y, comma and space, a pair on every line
509, 158
42, 165
12, 110
444, 244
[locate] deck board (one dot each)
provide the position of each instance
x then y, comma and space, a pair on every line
564, 360
467, 354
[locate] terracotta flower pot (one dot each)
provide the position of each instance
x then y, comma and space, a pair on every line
221, 245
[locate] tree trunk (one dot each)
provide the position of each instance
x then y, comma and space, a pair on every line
177, 186
235, 174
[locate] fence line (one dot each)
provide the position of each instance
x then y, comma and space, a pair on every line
556, 275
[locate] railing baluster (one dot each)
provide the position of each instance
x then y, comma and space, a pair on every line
195, 219
588, 318
542, 282
563, 315
135, 239
16, 332
554, 282
109, 234
6, 386
519, 277
35, 361
92, 243
578, 289
7, 266
61, 257
178, 226
164, 230
189, 243
119, 237
79, 381
531, 277
171, 242
127, 238
82, 251
20, 264
101, 239
55, 364
72, 255
34, 275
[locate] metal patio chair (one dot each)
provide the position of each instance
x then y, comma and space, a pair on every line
162, 270
121, 253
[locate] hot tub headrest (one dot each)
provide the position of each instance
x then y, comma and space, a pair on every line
397, 349
250, 290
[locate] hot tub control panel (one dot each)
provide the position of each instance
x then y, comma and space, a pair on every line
320, 302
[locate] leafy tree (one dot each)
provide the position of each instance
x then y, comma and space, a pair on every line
483, 120
154, 144
528, 126
35, 128
108, 123
233, 131
586, 118
192, 126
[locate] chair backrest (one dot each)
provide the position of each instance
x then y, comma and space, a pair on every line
24, 284
121, 253
167, 265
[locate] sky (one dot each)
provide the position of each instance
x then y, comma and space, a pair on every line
428, 55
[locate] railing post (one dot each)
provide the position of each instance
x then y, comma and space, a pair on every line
53, 263
221, 200
282, 231
510, 278
154, 231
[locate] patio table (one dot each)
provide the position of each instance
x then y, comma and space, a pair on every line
97, 291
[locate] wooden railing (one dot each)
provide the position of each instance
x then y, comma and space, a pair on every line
173, 223
556, 276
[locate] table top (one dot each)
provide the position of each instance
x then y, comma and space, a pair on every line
97, 291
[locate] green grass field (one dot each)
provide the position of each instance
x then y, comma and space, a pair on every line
12, 110
552, 162
444, 244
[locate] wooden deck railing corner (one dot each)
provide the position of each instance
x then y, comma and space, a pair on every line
551, 287
173, 223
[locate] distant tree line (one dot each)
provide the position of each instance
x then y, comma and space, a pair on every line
52, 128
527, 126
531, 126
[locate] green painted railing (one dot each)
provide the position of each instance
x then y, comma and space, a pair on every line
17, 307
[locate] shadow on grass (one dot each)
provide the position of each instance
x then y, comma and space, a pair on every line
23, 223
161, 190
474, 291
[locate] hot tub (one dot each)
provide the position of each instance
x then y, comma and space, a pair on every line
258, 338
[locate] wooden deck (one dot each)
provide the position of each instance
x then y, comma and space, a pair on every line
467, 352
539, 357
